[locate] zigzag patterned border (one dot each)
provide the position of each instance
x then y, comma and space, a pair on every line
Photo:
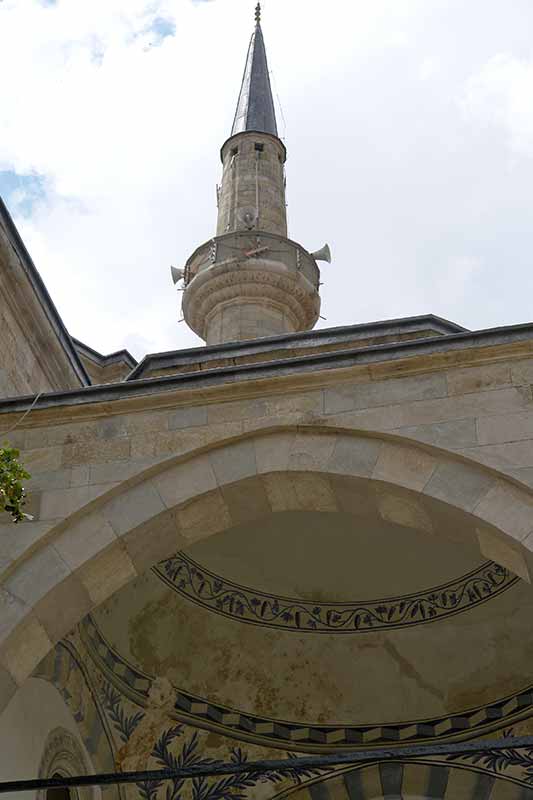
292, 735
244, 604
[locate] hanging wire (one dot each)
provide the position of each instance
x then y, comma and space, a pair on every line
23, 417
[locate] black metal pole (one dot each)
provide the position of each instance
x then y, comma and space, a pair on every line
279, 765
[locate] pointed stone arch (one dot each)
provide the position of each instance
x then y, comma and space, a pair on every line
90, 555
412, 780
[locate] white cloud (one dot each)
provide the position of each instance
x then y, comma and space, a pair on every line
501, 94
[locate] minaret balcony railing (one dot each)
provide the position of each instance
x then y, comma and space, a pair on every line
241, 248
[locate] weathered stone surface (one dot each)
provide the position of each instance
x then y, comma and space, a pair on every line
476, 379
106, 573
494, 547
8, 687
24, 648
84, 539
459, 485
61, 609
505, 428
37, 575
234, 462
133, 507
204, 517
189, 479
354, 456
450, 435
60, 503
409, 467
187, 417
509, 509
154, 540
384, 393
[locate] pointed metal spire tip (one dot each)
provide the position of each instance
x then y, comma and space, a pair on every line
258, 14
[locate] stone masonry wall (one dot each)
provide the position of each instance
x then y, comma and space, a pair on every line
20, 371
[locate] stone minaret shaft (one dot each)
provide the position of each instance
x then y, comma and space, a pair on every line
251, 280
252, 194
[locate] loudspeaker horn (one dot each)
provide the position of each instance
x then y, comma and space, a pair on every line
248, 217
177, 274
323, 255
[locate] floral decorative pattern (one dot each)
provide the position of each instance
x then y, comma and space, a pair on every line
192, 581
167, 756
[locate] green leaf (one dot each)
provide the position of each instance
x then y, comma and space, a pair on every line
12, 491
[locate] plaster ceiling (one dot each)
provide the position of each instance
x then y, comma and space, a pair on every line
177, 622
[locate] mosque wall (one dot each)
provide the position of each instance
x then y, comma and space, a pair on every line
110, 477
39, 738
36, 352
21, 372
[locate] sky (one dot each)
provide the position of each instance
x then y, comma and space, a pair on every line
408, 124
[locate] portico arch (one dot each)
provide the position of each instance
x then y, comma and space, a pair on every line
423, 780
90, 555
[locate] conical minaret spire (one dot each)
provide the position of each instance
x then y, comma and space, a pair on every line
250, 280
255, 109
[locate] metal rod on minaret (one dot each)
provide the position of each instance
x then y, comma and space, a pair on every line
258, 14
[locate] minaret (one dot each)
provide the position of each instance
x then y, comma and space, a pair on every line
251, 280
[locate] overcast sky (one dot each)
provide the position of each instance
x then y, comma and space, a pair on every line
408, 123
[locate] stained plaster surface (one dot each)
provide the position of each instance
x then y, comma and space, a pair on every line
471, 658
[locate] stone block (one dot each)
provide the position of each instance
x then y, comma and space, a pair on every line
383, 418
155, 540
460, 407
24, 649
117, 471
61, 503
522, 372
16, 539
54, 479
403, 509
308, 403
272, 452
36, 575
311, 451
8, 687
505, 428
234, 462
459, 485
84, 539
410, 467
451, 435
354, 496
354, 455
96, 452
503, 457
246, 500
146, 422
133, 507
236, 411
186, 480
313, 492
43, 459
477, 379
509, 509
383, 393
12, 612
107, 573
495, 547
204, 517
63, 608
187, 417
280, 492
